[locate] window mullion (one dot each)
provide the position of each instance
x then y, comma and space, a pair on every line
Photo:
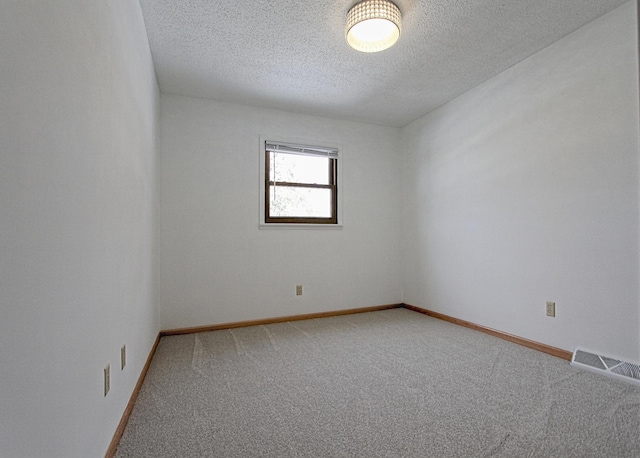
300, 185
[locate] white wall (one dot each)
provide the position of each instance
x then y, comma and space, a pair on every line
217, 266
525, 189
77, 138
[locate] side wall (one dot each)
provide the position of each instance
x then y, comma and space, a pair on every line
217, 266
78, 117
525, 190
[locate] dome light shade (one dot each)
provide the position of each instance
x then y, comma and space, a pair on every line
373, 25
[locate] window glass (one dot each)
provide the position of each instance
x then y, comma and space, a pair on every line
299, 168
300, 202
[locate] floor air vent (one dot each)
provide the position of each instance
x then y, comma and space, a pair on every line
607, 366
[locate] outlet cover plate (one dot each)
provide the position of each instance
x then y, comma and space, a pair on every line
551, 309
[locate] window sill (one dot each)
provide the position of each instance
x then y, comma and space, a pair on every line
263, 226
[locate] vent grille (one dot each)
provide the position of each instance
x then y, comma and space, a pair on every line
628, 370
607, 366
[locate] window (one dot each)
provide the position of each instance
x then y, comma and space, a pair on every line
300, 184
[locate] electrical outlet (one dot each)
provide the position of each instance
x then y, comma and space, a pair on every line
298, 290
123, 357
107, 379
551, 309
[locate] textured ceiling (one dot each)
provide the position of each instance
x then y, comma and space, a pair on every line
292, 54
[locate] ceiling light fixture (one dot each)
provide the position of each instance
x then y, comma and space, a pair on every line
373, 25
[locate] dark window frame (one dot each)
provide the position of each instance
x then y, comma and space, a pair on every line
332, 186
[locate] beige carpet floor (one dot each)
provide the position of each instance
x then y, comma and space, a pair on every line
393, 383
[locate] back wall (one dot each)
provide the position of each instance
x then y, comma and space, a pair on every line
217, 266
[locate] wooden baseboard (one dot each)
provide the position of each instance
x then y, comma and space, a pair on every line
242, 324
111, 451
564, 354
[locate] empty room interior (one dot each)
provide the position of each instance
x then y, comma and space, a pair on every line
483, 169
